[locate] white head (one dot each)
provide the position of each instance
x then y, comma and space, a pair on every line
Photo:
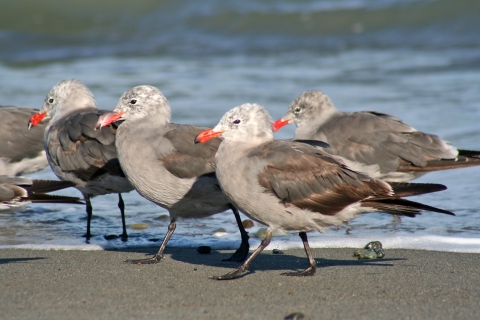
248, 122
310, 106
139, 103
65, 97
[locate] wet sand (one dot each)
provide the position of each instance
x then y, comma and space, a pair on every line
406, 284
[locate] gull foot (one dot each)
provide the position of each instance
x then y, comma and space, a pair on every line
310, 271
124, 237
152, 260
231, 275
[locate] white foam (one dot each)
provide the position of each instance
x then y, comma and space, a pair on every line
283, 242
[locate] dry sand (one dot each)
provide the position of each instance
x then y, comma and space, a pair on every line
406, 284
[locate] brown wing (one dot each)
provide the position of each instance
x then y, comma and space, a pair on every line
308, 178
186, 159
75, 147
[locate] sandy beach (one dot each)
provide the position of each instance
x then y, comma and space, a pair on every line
406, 284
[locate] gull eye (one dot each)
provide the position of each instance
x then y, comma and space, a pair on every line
50, 100
297, 109
133, 101
237, 121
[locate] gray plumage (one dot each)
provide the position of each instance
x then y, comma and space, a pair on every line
77, 152
161, 161
376, 143
296, 186
21, 150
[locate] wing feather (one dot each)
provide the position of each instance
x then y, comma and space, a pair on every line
308, 178
184, 159
75, 147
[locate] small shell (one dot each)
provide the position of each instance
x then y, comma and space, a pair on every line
373, 245
139, 226
367, 254
247, 224
295, 316
261, 233
356, 253
380, 253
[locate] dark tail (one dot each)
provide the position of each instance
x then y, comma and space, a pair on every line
465, 158
37, 192
405, 189
45, 186
47, 198
469, 154
401, 207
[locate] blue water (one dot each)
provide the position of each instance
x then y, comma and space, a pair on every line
417, 60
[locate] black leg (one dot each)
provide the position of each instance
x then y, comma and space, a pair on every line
242, 252
121, 206
158, 257
88, 235
244, 267
310, 271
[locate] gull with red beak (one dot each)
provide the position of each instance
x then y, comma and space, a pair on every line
78, 153
296, 186
372, 142
21, 151
165, 167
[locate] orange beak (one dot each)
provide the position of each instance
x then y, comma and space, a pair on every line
107, 119
36, 119
279, 123
206, 135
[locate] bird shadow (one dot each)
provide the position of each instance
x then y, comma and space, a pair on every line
18, 260
265, 261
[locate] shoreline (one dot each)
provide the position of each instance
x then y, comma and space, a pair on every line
59, 284
230, 241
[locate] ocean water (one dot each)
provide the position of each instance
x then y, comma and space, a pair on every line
417, 60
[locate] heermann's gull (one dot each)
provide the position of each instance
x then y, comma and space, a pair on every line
165, 166
21, 151
16, 192
78, 153
372, 142
292, 185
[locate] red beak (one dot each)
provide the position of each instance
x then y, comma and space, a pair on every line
107, 119
206, 135
279, 123
36, 119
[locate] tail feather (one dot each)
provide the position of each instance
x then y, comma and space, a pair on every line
469, 153
401, 207
44, 186
465, 158
47, 198
405, 189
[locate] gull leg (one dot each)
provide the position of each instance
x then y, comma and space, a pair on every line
244, 267
121, 206
310, 271
158, 257
89, 208
242, 251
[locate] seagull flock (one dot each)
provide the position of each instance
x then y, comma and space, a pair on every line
337, 166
